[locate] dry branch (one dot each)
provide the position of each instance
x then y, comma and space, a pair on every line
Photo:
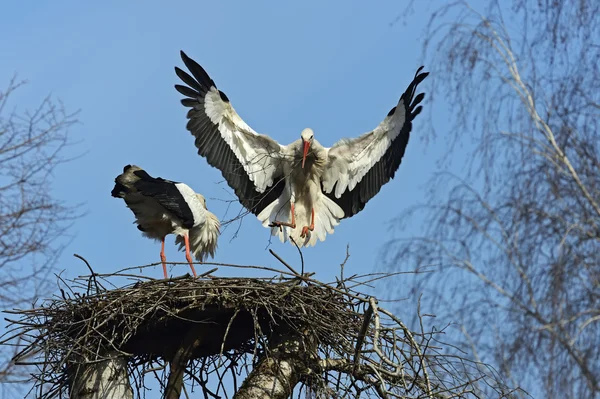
32, 219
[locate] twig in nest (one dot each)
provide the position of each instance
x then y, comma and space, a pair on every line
345, 260
284, 263
208, 272
227, 331
93, 274
301, 256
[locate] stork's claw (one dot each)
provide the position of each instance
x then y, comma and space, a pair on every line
305, 231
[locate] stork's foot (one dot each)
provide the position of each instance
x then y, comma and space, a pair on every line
282, 224
305, 231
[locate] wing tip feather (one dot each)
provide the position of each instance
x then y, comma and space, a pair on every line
196, 69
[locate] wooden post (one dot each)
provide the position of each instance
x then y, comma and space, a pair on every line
190, 343
276, 375
103, 380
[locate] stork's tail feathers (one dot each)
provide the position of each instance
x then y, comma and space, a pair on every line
203, 238
327, 216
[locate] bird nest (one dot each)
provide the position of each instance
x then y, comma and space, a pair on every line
350, 345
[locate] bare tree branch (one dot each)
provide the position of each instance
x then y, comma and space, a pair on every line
32, 145
515, 238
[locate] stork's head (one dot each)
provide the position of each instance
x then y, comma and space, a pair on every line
307, 139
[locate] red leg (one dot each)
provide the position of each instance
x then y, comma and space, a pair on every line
186, 239
305, 229
163, 258
292, 225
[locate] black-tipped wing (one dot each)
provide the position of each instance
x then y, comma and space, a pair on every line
165, 192
359, 167
250, 162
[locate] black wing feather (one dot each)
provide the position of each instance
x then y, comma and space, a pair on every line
186, 91
187, 79
210, 143
385, 169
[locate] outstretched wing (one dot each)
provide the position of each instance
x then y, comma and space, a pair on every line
251, 163
358, 168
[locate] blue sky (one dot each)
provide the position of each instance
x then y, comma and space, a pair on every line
337, 67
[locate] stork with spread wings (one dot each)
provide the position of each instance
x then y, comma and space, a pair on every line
301, 191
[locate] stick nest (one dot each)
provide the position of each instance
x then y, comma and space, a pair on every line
358, 347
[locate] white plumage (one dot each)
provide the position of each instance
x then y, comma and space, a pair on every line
302, 190
164, 207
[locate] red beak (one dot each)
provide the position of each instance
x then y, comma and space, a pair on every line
306, 147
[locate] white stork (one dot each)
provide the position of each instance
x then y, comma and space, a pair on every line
302, 190
162, 207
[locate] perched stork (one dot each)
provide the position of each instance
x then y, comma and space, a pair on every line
302, 190
162, 207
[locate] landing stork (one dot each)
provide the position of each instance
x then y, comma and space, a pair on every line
162, 207
302, 190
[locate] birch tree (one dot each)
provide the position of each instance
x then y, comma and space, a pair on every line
513, 238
